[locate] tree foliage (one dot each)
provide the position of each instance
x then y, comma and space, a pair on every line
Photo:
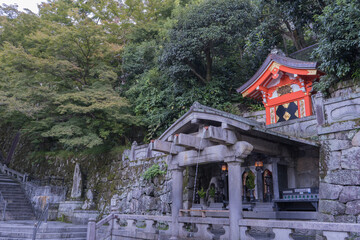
338, 28
85, 75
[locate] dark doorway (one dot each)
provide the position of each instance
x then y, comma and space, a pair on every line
282, 177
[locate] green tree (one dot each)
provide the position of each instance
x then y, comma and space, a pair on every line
63, 78
338, 29
205, 34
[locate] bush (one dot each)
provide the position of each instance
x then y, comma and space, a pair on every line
153, 172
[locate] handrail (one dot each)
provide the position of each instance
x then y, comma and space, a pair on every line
105, 220
45, 213
3, 201
304, 225
13, 173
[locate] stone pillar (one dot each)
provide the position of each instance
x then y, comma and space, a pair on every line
235, 202
275, 177
318, 108
242, 150
291, 176
260, 185
76, 190
177, 199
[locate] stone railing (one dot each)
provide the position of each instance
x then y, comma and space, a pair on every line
13, 173
152, 227
199, 227
283, 229
129, 226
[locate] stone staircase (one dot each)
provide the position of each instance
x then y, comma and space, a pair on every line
20, 219
21, 230
18, 206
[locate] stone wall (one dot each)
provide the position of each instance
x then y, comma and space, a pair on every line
39, 196
301, 127
259, 116
336, 125
339, 135
130, 192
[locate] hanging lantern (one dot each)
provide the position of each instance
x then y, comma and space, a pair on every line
224, 167
259, 164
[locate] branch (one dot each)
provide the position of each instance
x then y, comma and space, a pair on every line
192, 68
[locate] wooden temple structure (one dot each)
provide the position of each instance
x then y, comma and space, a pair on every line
285, 87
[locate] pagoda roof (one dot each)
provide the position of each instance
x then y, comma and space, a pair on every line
286, 64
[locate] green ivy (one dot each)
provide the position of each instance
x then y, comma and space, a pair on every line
153, 172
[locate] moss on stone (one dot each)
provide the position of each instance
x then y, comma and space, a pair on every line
323, 168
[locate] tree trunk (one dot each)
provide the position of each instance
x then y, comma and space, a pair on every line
208, 64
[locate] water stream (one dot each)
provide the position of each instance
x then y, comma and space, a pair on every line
197, 161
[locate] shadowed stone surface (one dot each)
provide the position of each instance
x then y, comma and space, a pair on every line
353, 207
331, 207
356, 140
335, 145
329, 191
349, 193
350, 158
332, 160
322, 217
345, 218
344, 177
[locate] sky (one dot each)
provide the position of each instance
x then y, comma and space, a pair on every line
30, 4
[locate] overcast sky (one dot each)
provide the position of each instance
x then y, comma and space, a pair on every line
30, 4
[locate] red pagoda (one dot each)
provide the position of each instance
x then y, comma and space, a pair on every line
285, 86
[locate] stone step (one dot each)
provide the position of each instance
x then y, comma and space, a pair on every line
14, 196
15, 211
10, 238
21, 230
19, 207
9, 182
6, 180
11, 190
48, 235
43, 229
22, 210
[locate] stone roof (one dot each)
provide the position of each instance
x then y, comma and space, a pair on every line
244, 125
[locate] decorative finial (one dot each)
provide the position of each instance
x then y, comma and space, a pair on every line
277, 51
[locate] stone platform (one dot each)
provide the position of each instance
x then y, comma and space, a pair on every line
23, 229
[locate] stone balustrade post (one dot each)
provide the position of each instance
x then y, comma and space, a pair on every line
283, 233
177, 198
131, 225
226, 235
203, 231
241, 151
335, 235
150, 226
244, 235
91, 230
